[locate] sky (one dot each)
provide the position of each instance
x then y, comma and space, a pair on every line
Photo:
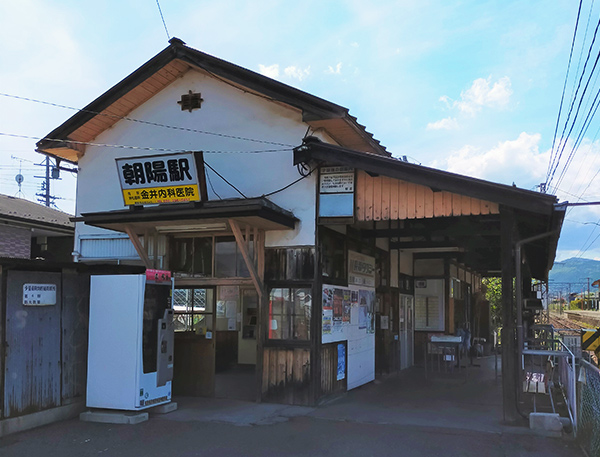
473, 87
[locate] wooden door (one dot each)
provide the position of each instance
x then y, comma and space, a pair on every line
194, 370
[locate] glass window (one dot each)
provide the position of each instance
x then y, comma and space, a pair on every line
191, 255
229, 261
192, 310
333, 254
289, 313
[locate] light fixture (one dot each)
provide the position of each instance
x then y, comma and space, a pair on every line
205, 227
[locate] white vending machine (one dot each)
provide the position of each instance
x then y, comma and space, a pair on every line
130, 355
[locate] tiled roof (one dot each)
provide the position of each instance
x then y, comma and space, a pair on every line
25, 211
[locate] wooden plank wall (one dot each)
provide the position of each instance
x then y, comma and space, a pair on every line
381, 198
286, 375
329, 366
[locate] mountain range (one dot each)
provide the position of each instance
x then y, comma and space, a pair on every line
572, 274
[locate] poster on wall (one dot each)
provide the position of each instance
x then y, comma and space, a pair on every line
346, 306
327, 298
362, 317
366, 313
338, 297
341, 365
327, 320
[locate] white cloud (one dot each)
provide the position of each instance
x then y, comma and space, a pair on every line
518, 161
484, 94
449, 123
272, 71
291, 72
334, 70
297, 72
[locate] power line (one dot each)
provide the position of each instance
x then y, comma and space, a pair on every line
563, 140
564, 89
163, 19
140, 148
140, 121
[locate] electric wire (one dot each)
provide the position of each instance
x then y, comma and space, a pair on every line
563, 92
212, 187
141, 148
227, 182
563, 139
290, 184
586, 123
141, 121
163, 20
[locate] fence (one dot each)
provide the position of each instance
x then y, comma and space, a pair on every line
588, 432
547, 363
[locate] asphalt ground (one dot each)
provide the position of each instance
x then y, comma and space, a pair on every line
402, 415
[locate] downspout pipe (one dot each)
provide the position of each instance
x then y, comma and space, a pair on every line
519, 292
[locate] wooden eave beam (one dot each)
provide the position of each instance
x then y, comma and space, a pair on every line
139, 247
241, 243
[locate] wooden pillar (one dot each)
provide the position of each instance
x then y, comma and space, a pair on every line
509, 362
139, 247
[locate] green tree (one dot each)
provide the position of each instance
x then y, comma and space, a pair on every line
492, 289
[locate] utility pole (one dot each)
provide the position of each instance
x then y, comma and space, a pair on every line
46, 198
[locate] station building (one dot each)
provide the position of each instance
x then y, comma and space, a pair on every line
307, 259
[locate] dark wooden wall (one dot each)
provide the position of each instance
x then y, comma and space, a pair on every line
286, 375
329, 365
290, 264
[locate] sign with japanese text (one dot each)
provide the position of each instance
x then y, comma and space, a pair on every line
336, 179
170, 178
361, 269
39, 294
158, 276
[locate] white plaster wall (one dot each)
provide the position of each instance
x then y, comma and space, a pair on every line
226, 110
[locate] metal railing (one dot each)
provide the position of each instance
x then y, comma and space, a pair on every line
588, 432
548, 364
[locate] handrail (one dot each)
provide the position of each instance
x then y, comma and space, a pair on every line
566, 353
589, 365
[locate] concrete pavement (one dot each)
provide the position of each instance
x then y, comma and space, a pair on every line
400, 415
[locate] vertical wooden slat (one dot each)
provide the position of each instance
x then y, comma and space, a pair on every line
466, 206
377, 200
475, 206
360, 194
394, 186
265, 370
428, 202
297, 374
272, 369
385, 198
306, 375
438, 204
368, 198
456, 205
485, 207
402, 200
281, 375
289, 379
420, 202
447, 203
411, 203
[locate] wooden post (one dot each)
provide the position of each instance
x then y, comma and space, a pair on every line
509, 362
239, 239
137, 244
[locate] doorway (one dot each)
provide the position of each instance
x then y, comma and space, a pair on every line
406, 327
215, 341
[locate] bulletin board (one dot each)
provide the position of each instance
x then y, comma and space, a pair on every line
349, 315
